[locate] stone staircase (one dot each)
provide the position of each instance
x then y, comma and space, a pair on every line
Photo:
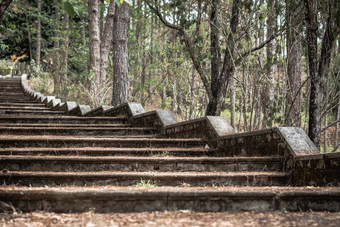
55, 162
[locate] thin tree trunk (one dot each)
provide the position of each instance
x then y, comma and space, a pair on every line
29, 37
64, 56
121, 82
232, 101
192, 95
56, 59
94, 33
270, 68
38, 44
294, 67
106, 41
336, 131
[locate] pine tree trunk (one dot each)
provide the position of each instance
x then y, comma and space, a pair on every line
294, 65
29, 37
315, 102
64, 56
94, 33
106, 41
121, 82
56, 59
232, 101
38, 45
270, 68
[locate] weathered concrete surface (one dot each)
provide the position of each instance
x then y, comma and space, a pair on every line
156, 118
159, 199
298, 141
53, 103
99, 111
68, 106
129, 109
79, 110
48, 99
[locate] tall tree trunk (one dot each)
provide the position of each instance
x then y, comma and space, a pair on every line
336, 131
29, 37
64, 56
294, 64
106, 41
219, 82
319, 73
270, 68
94, 33
3, 6
232, 101
215, 51
56, 58
315, 102
121, 82
38, 45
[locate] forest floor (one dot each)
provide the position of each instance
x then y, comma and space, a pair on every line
172, 218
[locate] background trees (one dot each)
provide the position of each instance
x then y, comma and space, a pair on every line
259, 63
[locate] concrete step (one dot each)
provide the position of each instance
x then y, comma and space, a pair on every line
14, 104
105, 151
61, 119
146, 199
16, 108
140, 164
119, 178
63, 125
92, 131
87, 141
33, 112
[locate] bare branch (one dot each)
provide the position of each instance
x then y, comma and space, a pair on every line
188, 45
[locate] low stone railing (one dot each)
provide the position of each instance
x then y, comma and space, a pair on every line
304, 162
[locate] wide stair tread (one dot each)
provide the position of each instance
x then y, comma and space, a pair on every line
108, 151
128, 163
132, 178
142, 197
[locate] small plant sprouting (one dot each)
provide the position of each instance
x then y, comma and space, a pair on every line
162, 154
146, 184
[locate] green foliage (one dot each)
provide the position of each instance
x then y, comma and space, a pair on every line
146, 184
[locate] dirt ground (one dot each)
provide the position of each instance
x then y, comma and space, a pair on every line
173, 218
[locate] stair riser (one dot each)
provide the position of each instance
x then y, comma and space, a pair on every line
62, 121
133, 180
141, 166
90, 132
98, 143
164, 201
32, 112
57, 152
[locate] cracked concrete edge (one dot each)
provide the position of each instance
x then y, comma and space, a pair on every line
297, 141
79, 110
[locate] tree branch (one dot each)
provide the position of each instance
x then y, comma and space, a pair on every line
260, 46
188, 45
3, 6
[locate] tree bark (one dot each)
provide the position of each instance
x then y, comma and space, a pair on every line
270, 68
29, 37
121, 83
314, 124
319, 73
3, 6
38, 44
219, 82
64, 56
106, 41
294, 64
56, 58
94, 33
